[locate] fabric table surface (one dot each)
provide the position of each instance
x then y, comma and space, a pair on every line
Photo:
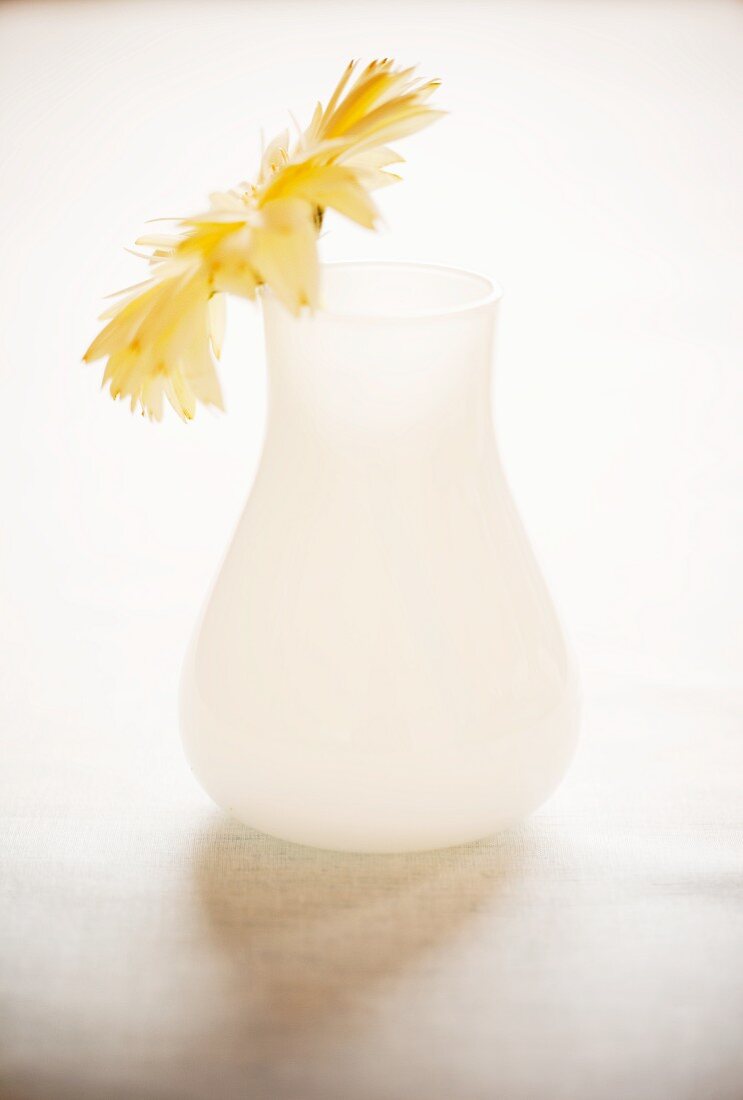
153, 948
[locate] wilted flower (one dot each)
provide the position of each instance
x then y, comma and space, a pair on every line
162, 336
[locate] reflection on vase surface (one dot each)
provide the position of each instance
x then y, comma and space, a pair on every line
379, 665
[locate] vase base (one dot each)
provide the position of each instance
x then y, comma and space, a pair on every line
409, 845
438, 789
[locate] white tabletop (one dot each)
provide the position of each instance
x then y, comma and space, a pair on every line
149, 947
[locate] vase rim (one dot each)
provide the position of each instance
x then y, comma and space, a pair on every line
485, 292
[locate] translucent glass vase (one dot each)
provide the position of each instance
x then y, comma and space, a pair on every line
379, 666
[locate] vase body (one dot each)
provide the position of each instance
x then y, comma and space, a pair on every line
379, 666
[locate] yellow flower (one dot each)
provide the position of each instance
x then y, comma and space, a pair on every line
162, 336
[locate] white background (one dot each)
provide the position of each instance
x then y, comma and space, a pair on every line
591, 163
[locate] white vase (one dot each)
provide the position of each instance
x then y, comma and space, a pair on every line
379, 666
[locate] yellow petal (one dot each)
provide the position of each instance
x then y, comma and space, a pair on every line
276, 155
375, 86
325, 185
284, 253
217, 322
157, 240
340, 88
371, 159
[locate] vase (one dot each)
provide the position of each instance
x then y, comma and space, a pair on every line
379, 666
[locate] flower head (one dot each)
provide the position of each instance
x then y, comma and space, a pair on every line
162, 337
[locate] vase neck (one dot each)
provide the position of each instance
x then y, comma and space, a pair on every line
399, 382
